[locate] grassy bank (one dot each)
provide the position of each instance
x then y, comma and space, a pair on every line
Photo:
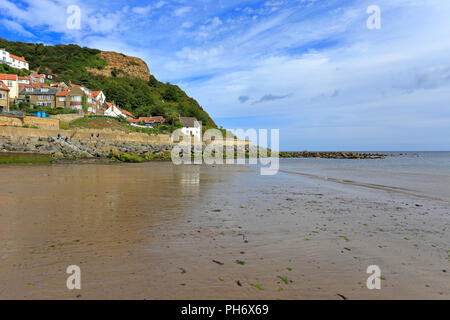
24, 158
126, 157
100, 123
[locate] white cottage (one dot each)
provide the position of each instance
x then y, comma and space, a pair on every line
191, 127
116, 112
12, 60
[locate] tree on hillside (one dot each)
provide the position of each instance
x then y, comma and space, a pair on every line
172, 117
170, 94
85, 105
158, 111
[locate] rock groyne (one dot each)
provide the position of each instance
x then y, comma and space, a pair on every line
333, 155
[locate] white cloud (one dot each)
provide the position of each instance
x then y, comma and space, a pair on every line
16, 27
199, 55
186, 25
182, 11
142, 10
147, 9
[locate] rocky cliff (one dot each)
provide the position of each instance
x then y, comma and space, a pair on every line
120, 64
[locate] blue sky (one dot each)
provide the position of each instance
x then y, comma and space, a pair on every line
311, 68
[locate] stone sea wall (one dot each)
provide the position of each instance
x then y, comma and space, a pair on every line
85, 142
41, 123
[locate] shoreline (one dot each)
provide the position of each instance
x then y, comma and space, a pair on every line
37, 157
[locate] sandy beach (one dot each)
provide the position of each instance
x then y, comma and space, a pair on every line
158, 231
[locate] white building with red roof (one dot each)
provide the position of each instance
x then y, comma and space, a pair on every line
12, 82
24, 80
13, 60
100, 97
116, 112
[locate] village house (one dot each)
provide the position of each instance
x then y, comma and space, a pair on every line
114, 111
72, 98
60, 85
41, 96
24, 80
148, 121
100, 97
12, 60
4, 97
94, 106
37, 78
12, 82
191, 126
48, 76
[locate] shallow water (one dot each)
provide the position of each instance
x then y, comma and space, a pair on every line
420, 173
154, 230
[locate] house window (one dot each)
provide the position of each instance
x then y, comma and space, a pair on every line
2, 96
62, 99
41, 97
75, 98
49, 98
9, 83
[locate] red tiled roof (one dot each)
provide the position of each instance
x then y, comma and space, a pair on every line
62, 93
127, 113
37, 75
18, 58
21, 86
157, 119
24, 78
11, 77
34, 85
109, 104
39, 85
3, 86
96, 93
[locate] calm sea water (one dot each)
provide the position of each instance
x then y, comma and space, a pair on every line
426, 173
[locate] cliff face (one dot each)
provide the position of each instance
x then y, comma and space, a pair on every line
121, 65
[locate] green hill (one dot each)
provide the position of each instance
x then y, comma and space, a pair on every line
141, 97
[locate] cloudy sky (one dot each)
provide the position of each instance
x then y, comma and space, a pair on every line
311, 68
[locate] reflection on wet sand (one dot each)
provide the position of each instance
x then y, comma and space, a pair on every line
154, 230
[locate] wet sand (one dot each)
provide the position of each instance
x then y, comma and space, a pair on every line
153, 230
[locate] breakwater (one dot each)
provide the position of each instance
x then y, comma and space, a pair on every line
333, 155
